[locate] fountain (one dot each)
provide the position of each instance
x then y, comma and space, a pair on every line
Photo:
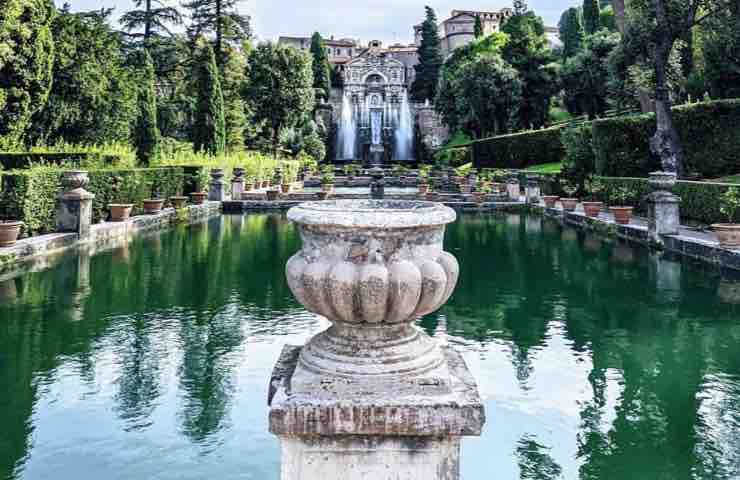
347, 134
373, 396
404, 134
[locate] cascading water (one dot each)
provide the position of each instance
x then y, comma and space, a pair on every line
346, 137
404, 132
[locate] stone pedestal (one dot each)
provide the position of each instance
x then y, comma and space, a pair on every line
237, 184
377, 186
372, 397
217, 188
74, 205
533, 189
512, 189
663, 207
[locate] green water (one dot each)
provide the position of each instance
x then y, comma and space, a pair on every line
595, 361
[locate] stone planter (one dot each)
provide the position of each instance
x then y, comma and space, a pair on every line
285, 188
9, 232
322, 195
372, 268
550, 201
178, 202
120, 212
198, 198
569, 204
153, 206
622, 215
592, 209
327, 187
728, 234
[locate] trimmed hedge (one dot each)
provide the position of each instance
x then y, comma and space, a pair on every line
519, 150
30, 195
709, 132
88, 160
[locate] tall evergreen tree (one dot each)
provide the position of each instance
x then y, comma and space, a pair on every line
26, 61
571, 32
209, 125
151, 16
321, 69
591, 16
218, 17
234, 78
430, 60
146, 133
478, 28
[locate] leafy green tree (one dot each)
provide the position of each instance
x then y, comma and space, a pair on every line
234, 79
209, 125
721, 52
607, 19
430, 59
220, 17
571, 32
146, 132
26, 62
591, 16
478, 27
279, 88
150, 19
528, 52
93, 95
321, 68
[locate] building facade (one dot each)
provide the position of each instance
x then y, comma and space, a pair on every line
459, 29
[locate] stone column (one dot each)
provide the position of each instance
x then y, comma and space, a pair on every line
237, 184
533, 189
372, 397
512, 188
74, 204
663, 207
377, 186
217, 190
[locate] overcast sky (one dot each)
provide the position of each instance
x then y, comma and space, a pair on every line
386, 20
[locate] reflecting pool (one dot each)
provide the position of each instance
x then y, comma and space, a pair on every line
595, 360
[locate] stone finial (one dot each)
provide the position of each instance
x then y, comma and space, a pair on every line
217, 189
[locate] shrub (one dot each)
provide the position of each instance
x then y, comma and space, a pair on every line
88, 157
708, 130
519, 150
578, 163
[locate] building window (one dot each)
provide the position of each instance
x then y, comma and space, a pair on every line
339, 51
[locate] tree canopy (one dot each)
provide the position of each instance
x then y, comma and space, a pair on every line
430, 60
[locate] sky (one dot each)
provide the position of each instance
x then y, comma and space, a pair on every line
388, 20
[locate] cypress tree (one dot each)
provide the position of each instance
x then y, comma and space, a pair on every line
430, 60
571, 32
321, 69
146, 133
209, 125
233, 83
591, 16
478, 29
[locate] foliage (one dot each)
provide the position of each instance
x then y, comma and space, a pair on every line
279, 88
430, 60
151, 16
546, 168
327, 175
220, 18
721, 52
26, 60
304, 139
235, 108
455, 152
320, 66
578, 163
78, 156
146, 133
478, 27
571, 32
591, 16
730, 204
519, 150
209, 126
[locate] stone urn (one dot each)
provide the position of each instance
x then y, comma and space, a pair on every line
9, 232
373, 382
178, 202
75, 180
728, 234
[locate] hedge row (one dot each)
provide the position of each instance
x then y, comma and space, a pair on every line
30, 195
519, 150
87, 160
709, 132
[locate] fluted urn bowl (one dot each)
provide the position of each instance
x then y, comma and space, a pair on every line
372, 267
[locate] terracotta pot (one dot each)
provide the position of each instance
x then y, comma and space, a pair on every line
728, 234
249, 186
569, 204
327, 187
153, 206
120, 212
431, 197
272, 195
9, 232
323, 195
423, 189
592, 209
465, 188
285, 187
479, 197
622, 215
265, 183
198, 198
550, 201
178, 202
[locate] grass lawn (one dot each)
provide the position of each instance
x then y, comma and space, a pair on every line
546, 168
730, 179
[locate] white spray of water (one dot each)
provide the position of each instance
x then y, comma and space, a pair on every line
404, 132
346, 137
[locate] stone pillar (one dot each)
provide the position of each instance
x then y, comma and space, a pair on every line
377, 186
512, 188
237, 184
217, 190
74, 204
663, 207
373, 397
533, 189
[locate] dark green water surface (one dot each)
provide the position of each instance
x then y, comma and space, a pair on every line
595, 360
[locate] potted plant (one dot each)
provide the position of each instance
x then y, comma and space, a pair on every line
178, 202
622, 214
593, 206
323, 195
480, 195
120, 212
550, 200
424, 172
729, 233
249, 183
272, 195
10, 230
152, 206
571, 202
327, 178
198, 198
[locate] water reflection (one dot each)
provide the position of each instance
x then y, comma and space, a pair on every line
595, 360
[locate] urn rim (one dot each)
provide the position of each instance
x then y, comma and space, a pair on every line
382, 214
